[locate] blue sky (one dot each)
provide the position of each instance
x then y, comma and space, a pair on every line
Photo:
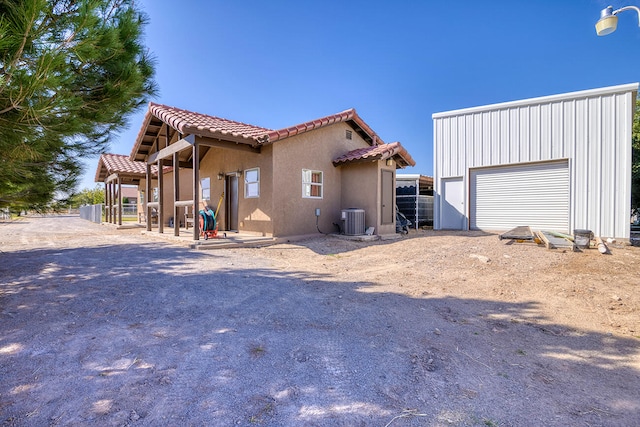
278, 63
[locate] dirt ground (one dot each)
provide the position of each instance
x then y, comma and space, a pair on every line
109, 327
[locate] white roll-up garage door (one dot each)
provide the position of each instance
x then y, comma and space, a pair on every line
534, 194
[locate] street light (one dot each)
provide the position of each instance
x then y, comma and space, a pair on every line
608, 21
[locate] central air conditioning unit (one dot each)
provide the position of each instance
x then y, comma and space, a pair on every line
353, 219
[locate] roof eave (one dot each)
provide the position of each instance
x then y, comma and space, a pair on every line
141, 132
98, 169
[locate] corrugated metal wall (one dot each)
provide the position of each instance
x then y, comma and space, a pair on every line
591, 129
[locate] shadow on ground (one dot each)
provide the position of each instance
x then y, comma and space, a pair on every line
159, 335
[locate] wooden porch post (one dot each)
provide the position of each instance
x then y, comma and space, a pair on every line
160, 197
111, 218
196, 184
106, 202
114, 214
147, 195
119, 201
176, 193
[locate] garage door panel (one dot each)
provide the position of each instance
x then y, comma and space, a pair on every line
536, 195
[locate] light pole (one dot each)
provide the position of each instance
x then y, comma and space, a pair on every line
608, 21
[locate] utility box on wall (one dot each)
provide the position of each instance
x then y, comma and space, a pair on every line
353, 219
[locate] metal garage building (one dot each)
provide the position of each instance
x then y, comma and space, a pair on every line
558, 162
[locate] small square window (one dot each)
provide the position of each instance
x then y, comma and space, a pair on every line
205, 183
312, 184
252, 183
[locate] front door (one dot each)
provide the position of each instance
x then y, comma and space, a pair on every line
452, 209
231, 203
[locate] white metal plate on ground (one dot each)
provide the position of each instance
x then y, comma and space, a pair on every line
534, 195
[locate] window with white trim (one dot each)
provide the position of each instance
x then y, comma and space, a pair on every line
252, 183
311, 184
205, 184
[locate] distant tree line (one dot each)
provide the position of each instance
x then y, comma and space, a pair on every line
88, 196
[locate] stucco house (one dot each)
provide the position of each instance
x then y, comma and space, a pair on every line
559, 162
286, 182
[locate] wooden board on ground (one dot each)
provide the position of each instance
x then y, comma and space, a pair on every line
522, 232
553, 242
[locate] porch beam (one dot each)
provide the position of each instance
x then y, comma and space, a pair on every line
112, 177
184, 203
219, 143
182, 144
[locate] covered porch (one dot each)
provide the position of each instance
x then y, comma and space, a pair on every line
116, 170
160, 145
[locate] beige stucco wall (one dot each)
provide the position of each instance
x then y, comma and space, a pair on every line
362, 188
281, 210
254, 214
315, 150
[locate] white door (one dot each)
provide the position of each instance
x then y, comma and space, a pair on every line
452, 215
535, 194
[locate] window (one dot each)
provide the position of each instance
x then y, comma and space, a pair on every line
252, 183
155, 194
205, 184
348, 134
311, 184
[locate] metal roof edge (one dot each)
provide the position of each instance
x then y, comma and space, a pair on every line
630, 87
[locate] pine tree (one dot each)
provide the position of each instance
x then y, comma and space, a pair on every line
71, 73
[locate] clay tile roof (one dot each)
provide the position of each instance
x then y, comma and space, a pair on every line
109, 164
190, 122
377, 152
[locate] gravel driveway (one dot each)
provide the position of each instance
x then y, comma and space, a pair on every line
111, 328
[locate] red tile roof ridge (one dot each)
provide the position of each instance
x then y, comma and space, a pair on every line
121, 163
183, 120
342, 116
